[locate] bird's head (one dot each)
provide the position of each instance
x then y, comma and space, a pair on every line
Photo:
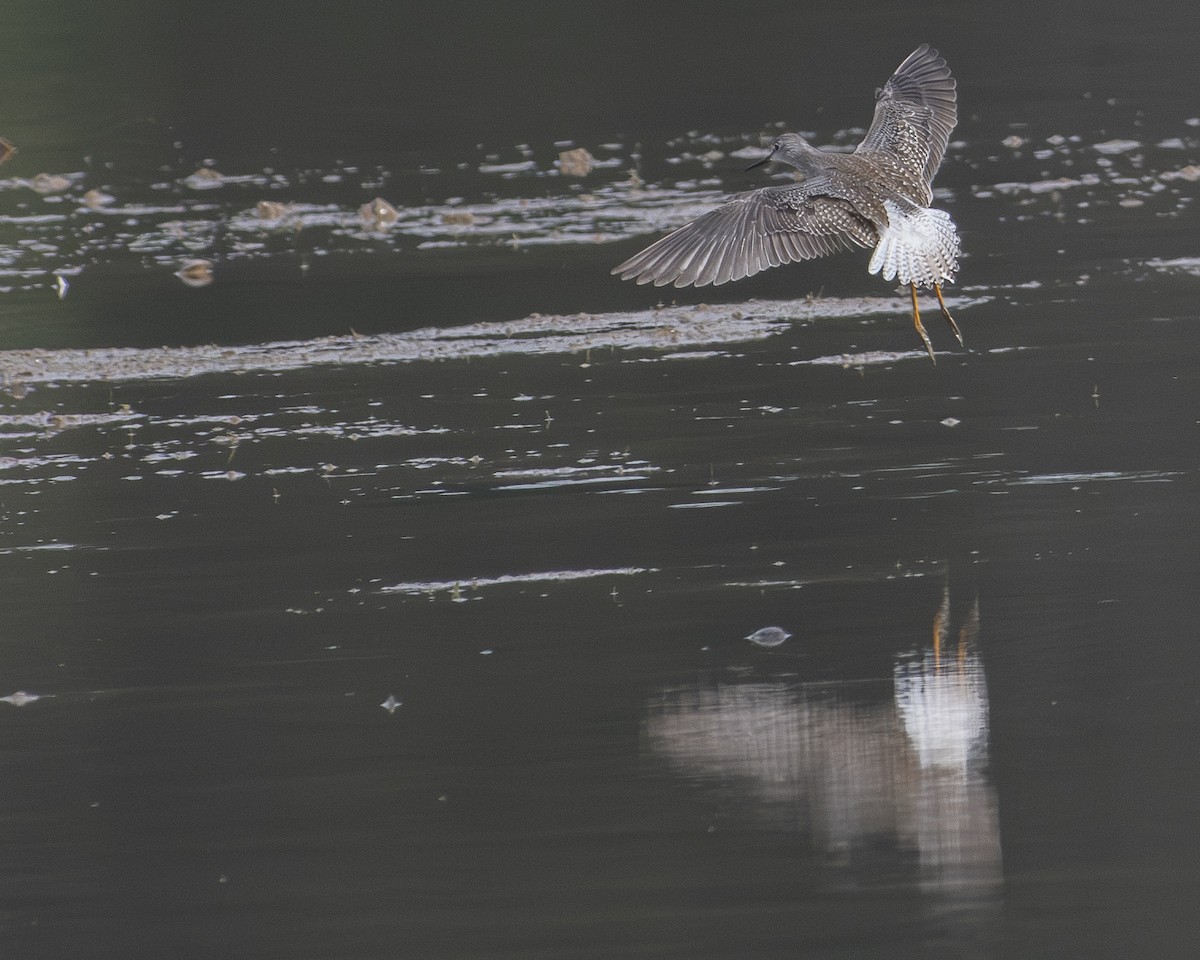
789, 148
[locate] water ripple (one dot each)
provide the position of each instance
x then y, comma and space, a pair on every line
663, 331
414, 588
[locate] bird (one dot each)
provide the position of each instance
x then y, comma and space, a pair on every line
879, 196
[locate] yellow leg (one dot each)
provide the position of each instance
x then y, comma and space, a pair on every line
941, 620
917, 322
937, 288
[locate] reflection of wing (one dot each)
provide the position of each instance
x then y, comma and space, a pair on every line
914, 114
752, 231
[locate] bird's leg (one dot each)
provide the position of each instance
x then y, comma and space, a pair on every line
917, 322
937, 288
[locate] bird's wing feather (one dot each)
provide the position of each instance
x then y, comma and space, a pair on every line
751, 232
915, 112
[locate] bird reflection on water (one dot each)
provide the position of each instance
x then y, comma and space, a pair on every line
848, 762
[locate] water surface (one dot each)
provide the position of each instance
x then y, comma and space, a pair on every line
384, 589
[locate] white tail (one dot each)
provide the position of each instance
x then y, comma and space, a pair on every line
919, 245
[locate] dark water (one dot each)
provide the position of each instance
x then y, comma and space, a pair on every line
386, 595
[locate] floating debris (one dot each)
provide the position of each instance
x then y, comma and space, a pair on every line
98, 198
768, 636
45, 183
509, 169
272, 209
576, 163
1190, 173
21, 698
196, 273
951, 422
391, 704
6, 150
378, 211
61, 285
17, 389
206, 178
1113, 147
459, 218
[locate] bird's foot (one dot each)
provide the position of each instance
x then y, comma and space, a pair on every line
937, 288
917, 323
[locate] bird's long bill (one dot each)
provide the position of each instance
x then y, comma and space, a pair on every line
759, 163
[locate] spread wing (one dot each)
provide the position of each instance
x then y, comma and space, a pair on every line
750, 232
914, 114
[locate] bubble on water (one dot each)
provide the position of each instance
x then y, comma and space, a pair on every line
20, 698
768, 636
